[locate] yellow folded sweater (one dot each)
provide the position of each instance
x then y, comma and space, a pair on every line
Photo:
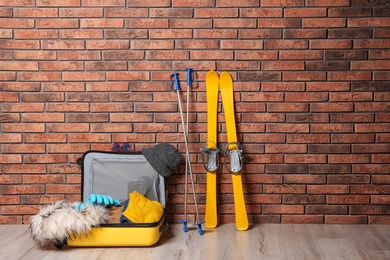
143, 210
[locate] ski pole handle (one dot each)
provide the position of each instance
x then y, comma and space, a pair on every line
189, 76
175, 82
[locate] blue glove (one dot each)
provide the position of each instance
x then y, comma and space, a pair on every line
98, 199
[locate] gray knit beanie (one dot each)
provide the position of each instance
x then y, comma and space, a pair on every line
164, 158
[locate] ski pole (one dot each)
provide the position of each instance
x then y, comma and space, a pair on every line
177, 89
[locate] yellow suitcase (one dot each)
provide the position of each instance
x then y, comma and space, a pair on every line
115, 175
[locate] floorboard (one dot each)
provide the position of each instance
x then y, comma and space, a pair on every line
266, 241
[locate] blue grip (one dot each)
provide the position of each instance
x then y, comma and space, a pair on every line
189, 74
176, 80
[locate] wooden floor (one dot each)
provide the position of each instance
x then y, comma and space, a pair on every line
266, 241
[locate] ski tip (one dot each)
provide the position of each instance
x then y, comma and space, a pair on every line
211, 73
225, 74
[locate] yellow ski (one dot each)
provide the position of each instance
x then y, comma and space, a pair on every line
212, 82
234, 150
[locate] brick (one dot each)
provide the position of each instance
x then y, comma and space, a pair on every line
284, 189
120, 65
378, 107
305, 179
308, 158
231, 3
348, 179
191, 23
6, 12
380, 199
16, 23
370, 210
287, 107
67, 127
241, 44
330, 44
35, 12
23, 107
381, 32
36, 34
282, 209
79, 55
234, 23
35, 55
354, 118
370, 148
325, 128
171, 33
283, 65
345, 55
307, 118
255, 97
39, 76
349, 12
323, 22
260, 33
306, 97
305, 12
65, 65
328, 149
58, 3
302, 219
63, 189
81, 34
148, 3
196, 44
20, 127
127, 75
256, 55
261, 12
62, 87
60, 23
381, 75
111, 128
238, 65
304, 199
107, 44
340, 220
304, 76
104, 3
370, 65
349, 76
215, 34
63, 44
369, 86
364, 128
282, 3
89, 138
285, 44
328, 3
167, 55
308, 138
83, 76
213, 55
6, 33
82, 12
353, 138
285, 148
372, 44
19, 44
331, 107
283, 86
279, 23
18, 65
326, 209
171, 13
369, 22
101, 23
304, 33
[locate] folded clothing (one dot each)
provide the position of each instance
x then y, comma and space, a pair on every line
140, 209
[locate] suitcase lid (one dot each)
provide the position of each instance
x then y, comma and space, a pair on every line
118, 174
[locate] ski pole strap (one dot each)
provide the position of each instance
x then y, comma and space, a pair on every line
175, 82
235, 156
211, 163
190, 77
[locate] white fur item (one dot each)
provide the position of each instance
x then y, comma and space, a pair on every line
60, 221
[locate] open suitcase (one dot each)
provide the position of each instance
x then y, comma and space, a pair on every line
115, 175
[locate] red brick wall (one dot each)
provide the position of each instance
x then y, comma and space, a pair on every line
311, 90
